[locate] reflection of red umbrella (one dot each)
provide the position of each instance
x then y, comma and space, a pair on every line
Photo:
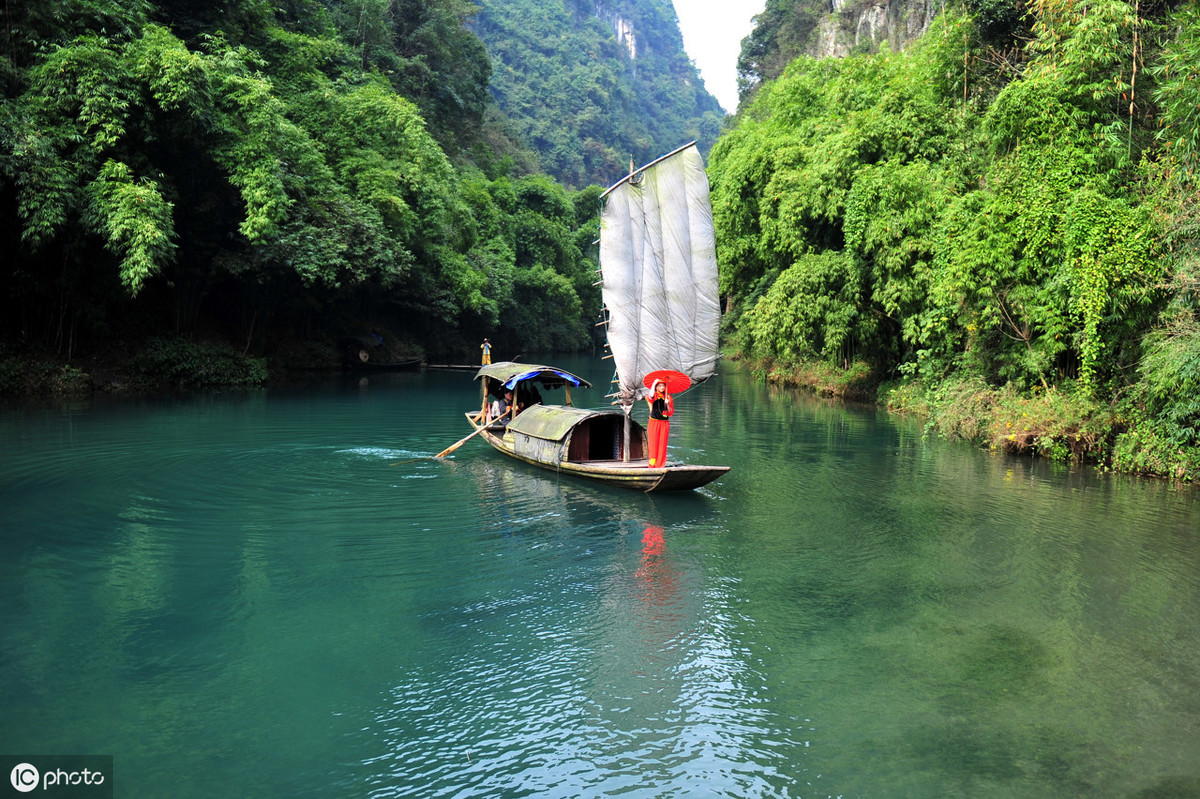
677, 382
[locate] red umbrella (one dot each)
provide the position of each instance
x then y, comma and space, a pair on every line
677, 382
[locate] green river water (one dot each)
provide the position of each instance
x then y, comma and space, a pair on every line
278, 594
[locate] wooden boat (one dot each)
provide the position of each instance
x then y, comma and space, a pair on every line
592, 444
658, 268
363, 354
383, 366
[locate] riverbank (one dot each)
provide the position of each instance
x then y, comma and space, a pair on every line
131, 367
1058, 422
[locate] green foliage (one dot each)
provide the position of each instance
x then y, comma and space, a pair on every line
890, 217
1004, 243
428, 56
998, 20
1169, 388
271, 162
586, 102
533, 246
137, 219
40, 376
1145, 449
741, 164
1084, 47
33, 28
838, 156
1004, 232
184, 364
545, 311
810, 310
853, 381
1171, 379
783, 31
1177, 72
1063, 423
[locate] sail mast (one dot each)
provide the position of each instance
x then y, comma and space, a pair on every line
626, 401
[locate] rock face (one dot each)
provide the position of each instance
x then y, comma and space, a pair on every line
625, 35
861, 25
622, 27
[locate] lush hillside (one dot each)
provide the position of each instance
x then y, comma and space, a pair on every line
267, 173
589, 84
1003, 220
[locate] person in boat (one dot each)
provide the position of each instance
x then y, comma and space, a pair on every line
486, 346
500, 409
662, 407
527, 394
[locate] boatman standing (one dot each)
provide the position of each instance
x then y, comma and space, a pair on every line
486, 346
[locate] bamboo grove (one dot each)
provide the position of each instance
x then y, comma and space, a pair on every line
1000, 224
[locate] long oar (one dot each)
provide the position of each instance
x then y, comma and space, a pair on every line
456, 445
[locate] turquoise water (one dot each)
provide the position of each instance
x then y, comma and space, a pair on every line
279, 594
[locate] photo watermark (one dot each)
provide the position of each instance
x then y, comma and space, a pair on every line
57, 775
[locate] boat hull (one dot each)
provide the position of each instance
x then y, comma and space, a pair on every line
379, 366
635, 474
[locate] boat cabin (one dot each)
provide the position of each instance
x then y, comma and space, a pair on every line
555, 433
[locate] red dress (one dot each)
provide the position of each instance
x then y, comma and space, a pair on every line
659, 429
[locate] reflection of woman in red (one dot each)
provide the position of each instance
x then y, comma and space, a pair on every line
661, 409
660, 587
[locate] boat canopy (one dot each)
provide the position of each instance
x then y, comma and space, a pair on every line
553, 422
509, 374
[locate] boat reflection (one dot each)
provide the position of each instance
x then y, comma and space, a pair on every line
647, 592
639, 565
523, 494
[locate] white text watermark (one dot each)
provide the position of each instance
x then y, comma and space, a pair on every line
59, 775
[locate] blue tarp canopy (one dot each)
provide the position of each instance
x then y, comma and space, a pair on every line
509, 374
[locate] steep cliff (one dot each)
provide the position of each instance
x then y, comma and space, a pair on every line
787, 29
854, 25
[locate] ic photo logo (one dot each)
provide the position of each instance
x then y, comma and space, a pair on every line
24, 777
68, 776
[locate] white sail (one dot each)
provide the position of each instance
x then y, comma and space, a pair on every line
658, 262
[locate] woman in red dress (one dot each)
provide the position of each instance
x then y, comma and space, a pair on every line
661, 409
